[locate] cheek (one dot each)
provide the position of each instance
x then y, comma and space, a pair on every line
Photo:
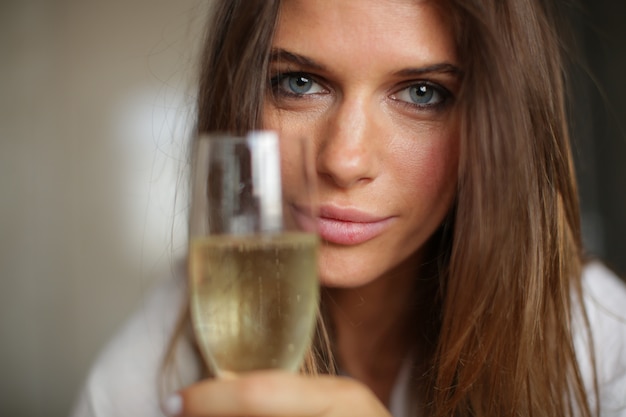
296, 150
428, 164
291, 170
427, 184
297, 166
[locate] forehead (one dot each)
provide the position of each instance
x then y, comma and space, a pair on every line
375, 29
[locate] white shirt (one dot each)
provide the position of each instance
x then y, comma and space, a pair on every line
605, 300
124, 380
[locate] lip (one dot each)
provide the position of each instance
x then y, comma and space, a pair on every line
343, 226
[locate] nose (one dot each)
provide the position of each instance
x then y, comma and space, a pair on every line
347, 154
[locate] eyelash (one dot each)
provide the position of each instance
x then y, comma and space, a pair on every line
278, 79
444, 95
435, 90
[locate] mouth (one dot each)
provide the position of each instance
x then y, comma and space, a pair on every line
342, 226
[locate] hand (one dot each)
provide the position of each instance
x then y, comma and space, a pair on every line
277, 394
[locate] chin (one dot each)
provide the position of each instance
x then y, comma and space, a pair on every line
353, 267
346, 274
340, 282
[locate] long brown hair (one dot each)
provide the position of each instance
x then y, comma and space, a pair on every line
505, 344
509, 255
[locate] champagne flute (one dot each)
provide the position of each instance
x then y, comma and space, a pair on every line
252, 272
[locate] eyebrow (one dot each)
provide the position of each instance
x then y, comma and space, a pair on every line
283, 55
442, 68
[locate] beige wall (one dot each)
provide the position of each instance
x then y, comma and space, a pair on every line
94, 109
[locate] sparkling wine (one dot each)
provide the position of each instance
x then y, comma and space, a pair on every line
254, 299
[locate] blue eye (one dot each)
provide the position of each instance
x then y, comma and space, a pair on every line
296, 83
422, 95
299, 84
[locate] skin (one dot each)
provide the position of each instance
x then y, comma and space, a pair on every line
381, 120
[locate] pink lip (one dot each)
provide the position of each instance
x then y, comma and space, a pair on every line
343, 226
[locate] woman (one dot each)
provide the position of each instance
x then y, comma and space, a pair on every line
451, 255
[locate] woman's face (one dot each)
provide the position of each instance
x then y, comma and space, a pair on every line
372, 85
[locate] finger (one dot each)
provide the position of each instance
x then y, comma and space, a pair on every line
278, 394
262, 394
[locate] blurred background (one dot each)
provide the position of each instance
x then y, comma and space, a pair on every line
96, 100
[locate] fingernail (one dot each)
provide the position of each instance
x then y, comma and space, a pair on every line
173, 405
